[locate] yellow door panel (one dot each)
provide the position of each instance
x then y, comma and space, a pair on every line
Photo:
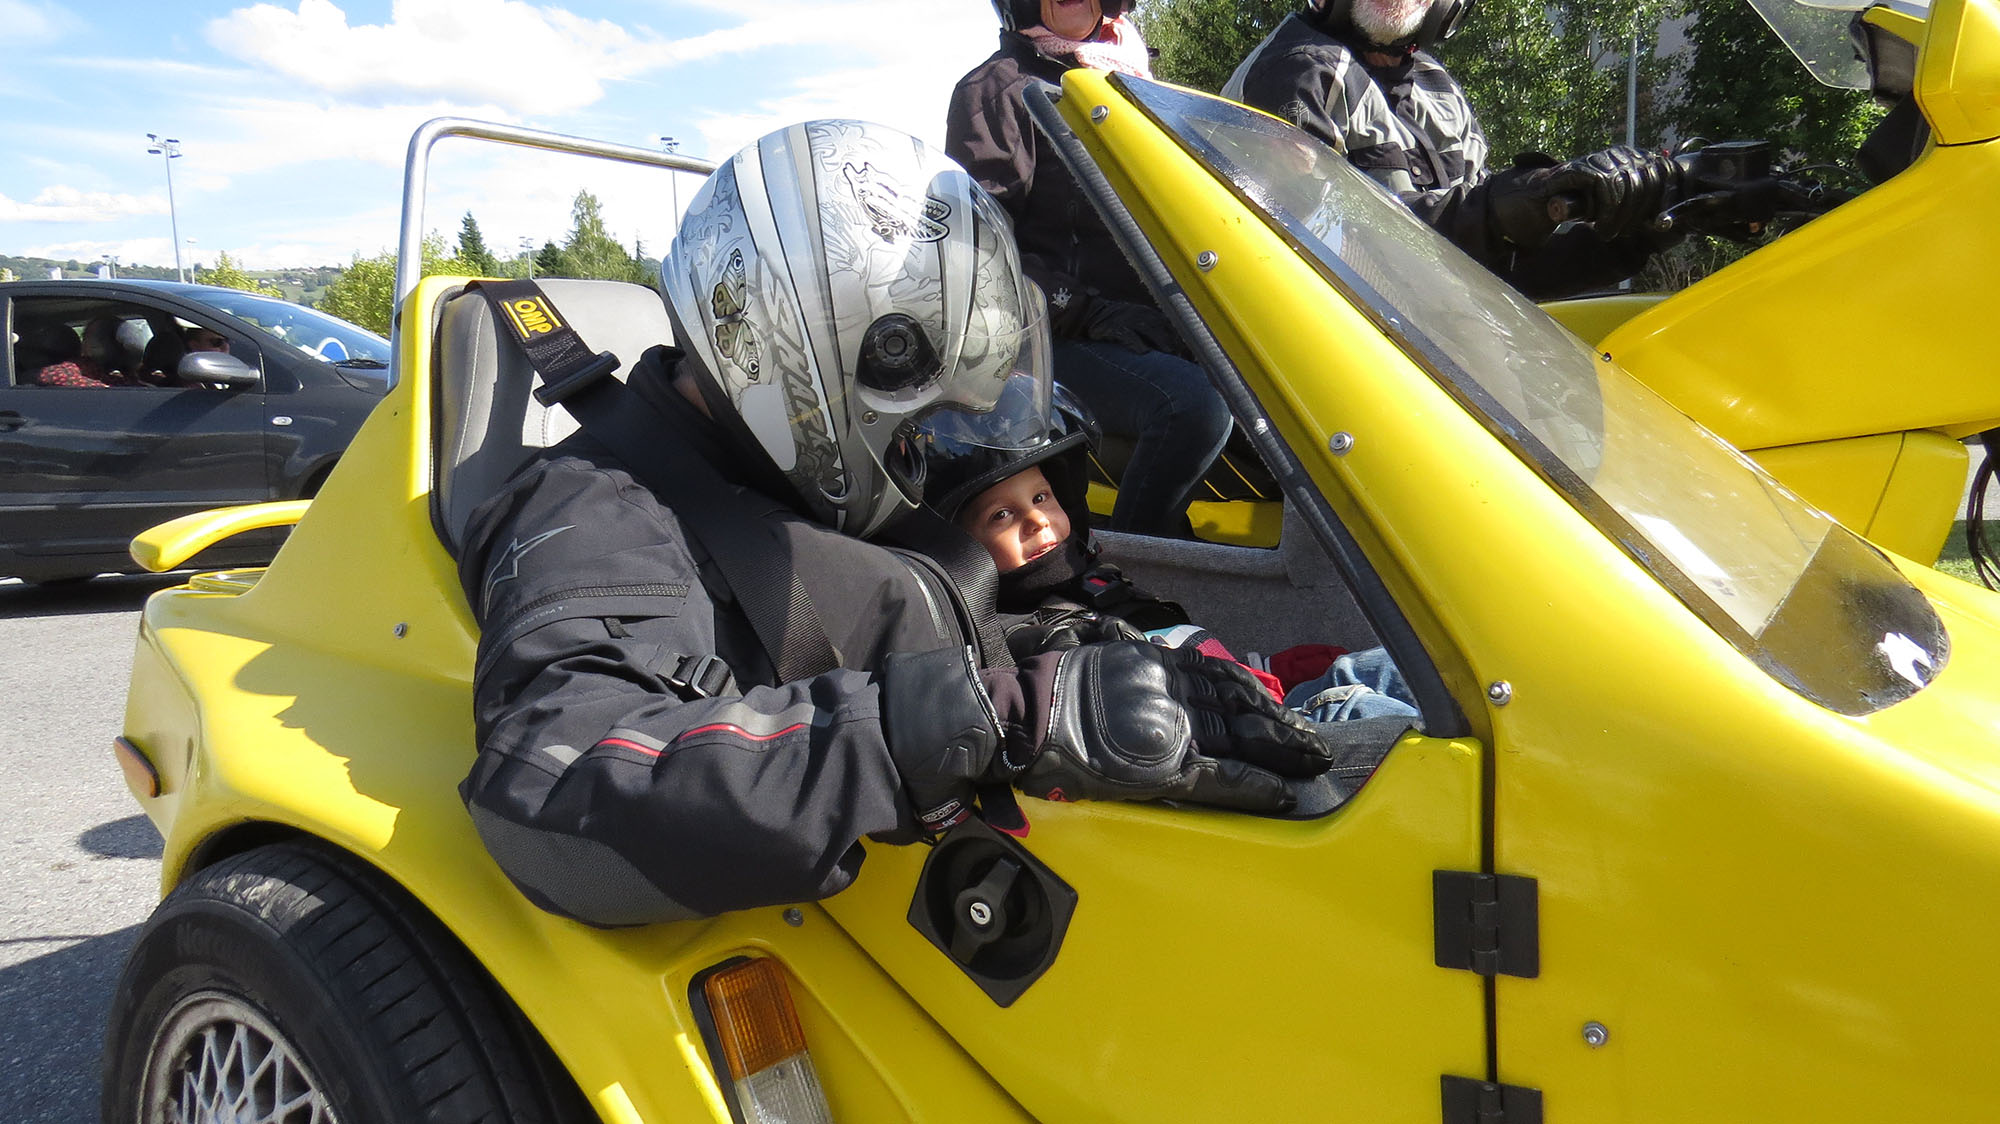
1220, 967
1755, 903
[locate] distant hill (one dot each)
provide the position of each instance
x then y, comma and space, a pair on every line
302, 285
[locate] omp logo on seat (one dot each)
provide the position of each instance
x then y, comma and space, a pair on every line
532, 317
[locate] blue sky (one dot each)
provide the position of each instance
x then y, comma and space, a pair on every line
294, 116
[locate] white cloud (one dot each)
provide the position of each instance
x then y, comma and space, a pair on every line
547, 61
531, 59
67, 204
31, 24
922, 88
260, 134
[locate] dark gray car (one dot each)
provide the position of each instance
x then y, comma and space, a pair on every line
127, 403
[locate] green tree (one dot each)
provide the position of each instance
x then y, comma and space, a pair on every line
1553, 77
1201, 41
364, 293
550, 261
1743, 83
472, 248
229, 275
590, 250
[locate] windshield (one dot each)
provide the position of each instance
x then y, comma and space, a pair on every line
345, 345
1820, 34
1803, 597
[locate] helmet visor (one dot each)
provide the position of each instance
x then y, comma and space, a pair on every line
1019, 419
1003, 404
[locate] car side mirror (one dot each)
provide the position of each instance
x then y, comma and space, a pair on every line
216, 367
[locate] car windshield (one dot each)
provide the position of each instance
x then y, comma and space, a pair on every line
325, 337
1804, 598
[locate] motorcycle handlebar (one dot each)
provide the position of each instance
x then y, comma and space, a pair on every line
1725, 190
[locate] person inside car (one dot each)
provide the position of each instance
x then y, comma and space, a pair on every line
647, 750
1113, 346
62, 362
1358, 74
198, 338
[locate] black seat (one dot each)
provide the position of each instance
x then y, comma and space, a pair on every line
163, 355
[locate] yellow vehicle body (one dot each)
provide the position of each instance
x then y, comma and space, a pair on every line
1819, 352
1751, 907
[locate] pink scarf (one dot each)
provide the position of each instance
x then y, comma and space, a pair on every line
1115, 46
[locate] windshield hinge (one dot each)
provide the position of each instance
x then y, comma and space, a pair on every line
1468, 1100
1486, 923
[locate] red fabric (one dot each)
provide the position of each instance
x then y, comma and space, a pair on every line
1208, 645
1301, 662
1270, 682
77, 372
85, 373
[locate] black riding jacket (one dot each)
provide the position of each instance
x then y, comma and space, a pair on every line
638, 759
1065, 247
1411, 127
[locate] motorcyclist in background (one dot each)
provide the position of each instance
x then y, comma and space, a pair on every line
1114, 348
1358, 74
643, 754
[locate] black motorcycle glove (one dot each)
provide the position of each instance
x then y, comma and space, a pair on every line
1138, 328
1074, 631
1628, 188
1525, 203
1125, 720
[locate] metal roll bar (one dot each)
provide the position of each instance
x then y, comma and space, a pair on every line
416, 170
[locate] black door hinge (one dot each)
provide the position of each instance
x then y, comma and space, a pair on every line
1486, 923
1468, 1100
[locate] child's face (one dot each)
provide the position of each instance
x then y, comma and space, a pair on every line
1017, 520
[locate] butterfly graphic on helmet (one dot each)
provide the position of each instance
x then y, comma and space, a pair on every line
734, 335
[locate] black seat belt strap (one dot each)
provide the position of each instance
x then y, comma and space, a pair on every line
753, 566
968, 570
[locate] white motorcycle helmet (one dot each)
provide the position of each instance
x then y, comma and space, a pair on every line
834, 283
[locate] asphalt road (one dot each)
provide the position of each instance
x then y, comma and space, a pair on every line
79, 866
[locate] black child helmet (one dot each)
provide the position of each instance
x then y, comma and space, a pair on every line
958, 464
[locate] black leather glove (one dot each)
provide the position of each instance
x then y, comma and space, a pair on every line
1124, 720
1619, 191
1138, 328
1522, 201
1628, 188
1073, 631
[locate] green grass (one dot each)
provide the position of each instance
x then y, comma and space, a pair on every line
1953, 560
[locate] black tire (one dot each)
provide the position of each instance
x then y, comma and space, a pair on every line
353, 1004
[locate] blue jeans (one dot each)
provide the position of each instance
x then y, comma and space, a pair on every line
1166, 405
1358, 685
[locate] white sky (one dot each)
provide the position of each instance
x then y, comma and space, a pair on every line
294, 117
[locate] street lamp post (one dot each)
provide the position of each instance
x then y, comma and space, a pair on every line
169, 150
670, 146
